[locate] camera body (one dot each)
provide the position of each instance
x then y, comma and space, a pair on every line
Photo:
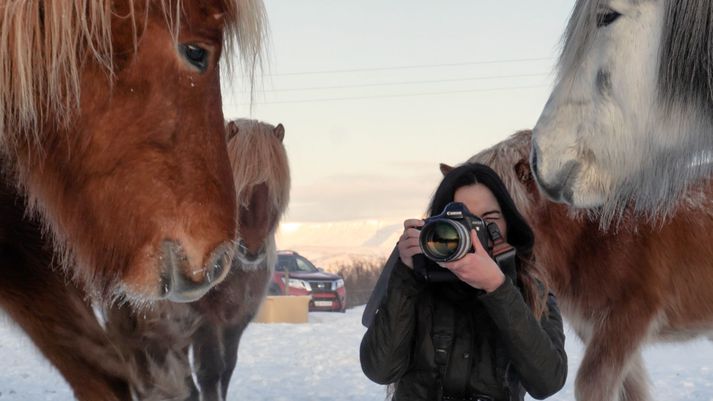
447, 237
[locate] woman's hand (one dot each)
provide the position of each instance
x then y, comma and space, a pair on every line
477, 269
408, 243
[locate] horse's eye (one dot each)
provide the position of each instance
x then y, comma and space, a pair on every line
606, 18
196, 55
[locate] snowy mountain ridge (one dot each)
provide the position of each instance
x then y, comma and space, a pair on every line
331, 243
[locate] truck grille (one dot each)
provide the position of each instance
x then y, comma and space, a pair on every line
321, 286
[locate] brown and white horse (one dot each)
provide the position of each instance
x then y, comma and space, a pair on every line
111, 127
619, 289
156, 342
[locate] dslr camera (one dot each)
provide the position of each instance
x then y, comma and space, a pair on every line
447, 237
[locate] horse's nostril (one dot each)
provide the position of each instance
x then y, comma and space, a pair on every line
218, 264
181, 282
533, 160
164, 286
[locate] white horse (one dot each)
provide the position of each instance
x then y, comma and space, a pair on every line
631, 115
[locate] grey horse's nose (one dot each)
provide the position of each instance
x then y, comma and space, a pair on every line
533, 159
181, 282
560, 190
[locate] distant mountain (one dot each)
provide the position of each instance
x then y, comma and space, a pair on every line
333, 243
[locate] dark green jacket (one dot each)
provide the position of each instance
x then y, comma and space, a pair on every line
499, 348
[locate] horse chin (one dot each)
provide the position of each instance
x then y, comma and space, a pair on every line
576, 186
586, 199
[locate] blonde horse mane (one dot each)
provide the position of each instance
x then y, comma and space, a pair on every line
43, 45
257, 156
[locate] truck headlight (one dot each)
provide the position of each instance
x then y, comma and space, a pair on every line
297, 283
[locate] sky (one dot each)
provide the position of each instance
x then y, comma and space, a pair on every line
375, 94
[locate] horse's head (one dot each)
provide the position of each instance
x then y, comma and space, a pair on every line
262, 187
605, 88
127, 160
630, 113
262, 179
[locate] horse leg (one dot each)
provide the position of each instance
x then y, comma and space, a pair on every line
636, 383
612, 346
195, 394
208, 360
231, 341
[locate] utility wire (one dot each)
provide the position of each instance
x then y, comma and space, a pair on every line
410, 67
399, 95
313, 88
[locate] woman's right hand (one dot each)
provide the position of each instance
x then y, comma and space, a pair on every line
408, 243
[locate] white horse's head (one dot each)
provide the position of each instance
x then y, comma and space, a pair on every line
630, 117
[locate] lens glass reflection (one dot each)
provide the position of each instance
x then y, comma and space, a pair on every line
442, 239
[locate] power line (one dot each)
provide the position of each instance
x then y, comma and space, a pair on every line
408, 67
406, 82
402, 95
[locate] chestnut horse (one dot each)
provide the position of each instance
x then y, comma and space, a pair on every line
111, 127
156, 342
618, 289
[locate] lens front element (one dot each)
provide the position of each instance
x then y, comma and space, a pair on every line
444, 240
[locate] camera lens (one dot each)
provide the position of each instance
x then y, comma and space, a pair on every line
444, 240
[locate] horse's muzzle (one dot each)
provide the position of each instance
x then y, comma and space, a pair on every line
181, 282
559, 189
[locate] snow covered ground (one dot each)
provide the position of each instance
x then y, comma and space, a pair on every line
320, 361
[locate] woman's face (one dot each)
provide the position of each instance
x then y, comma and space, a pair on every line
481, 202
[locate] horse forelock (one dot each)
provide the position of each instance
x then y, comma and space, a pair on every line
258, 157
247, 28
40, 47
44, 44
579, 33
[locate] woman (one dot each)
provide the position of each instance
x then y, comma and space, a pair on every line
480, 338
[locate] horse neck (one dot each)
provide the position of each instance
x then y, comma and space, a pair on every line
556, 236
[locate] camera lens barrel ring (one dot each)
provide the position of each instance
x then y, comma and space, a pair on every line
436, 247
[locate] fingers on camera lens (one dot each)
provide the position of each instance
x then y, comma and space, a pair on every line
413, 223
413, 232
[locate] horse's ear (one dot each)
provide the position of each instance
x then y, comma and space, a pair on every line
231, 129
279, 132
523, 172
445, 169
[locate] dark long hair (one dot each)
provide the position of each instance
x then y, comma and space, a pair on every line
519, 233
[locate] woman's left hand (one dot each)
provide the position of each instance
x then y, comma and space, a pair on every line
477, 269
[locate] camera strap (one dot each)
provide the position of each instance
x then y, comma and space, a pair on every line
442, 336
372, 306
505, 256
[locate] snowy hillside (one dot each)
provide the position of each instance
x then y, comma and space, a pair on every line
319, 361
329, 244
